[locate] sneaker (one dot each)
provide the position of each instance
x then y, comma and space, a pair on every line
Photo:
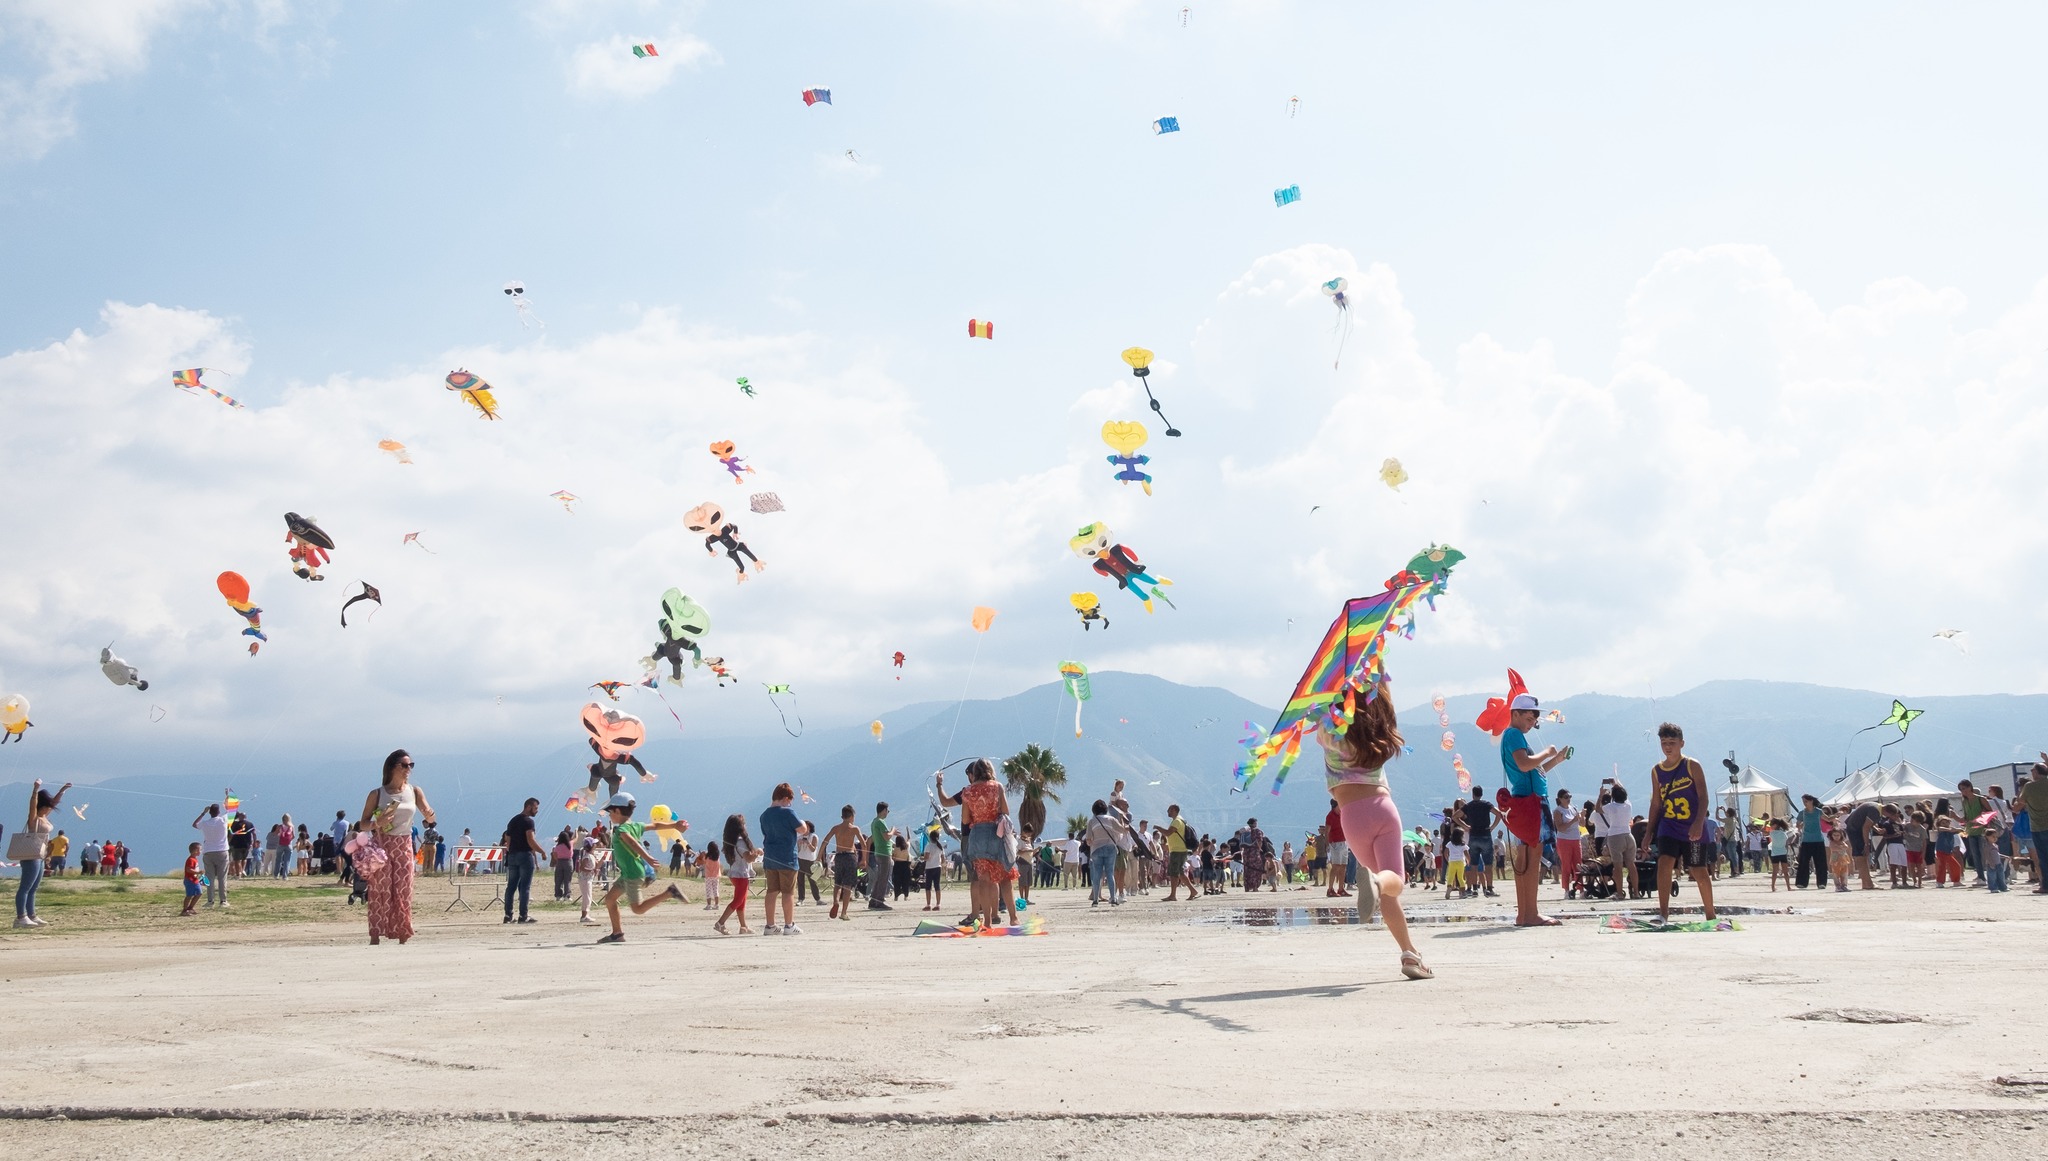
614, 937
508, 919
527, 919
875, 906
24, 922
587, 921
771, 929
792, 929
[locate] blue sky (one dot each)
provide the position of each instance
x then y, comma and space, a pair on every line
1709, 332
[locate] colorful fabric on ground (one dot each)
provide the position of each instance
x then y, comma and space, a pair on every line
1630, 924
935, 929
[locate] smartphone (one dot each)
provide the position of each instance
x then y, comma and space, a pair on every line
1568, 750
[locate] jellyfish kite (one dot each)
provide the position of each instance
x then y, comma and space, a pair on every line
309, 546
396, 450
1125, 437
1139, 360
1334, 289
475, 392
235, 590
1094, 542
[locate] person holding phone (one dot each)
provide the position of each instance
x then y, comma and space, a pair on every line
1525, 801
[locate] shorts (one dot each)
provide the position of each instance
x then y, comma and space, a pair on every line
1340, 854
931, 878
1480, 854
1915, 859
739, 890
781, 881
1688, 852
1779, 860
631, 887
1176, 863
1895, 853
191, 890
1858, 848
845, 871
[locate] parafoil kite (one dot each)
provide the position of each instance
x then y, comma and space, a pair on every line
475, 392
118, 671
1287, 196
1139, 360
764, 501
817, 96
1075, 675
783, 690
613, 738
729, 456
1334, 289
14, 718
309, 545
1125, 437
983, 618
516, 291
1118, 563
1166, 125
369, 594
709, 519
875, 728
188, 381
644, 51
569, 500
978, 329
1392, 474
396, 449
683, 624
235, 589
1090, 607
1495, 719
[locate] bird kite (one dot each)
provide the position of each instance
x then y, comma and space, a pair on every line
817, 97
1090, 607
728, 456
568, 499
80, 810
1334, 289
118, 671
396, 449
1953, 637
977, 329
475, 392
709, 519
309, 545
369, 594
1345, 670
1139, 360
414, 538
1094, 542
1166, 125
516, 291
764, 501
14, 721
188, 381
785, 691
643, 51
1075, 676
1125, 437
234, 588
1288, 196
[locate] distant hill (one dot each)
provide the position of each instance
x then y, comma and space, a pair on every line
1141, 728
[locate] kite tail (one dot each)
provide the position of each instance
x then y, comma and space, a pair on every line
1077, 717
1286, 764
671, 709
1343, 332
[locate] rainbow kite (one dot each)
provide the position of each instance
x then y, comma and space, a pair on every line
229, 803
1348, 661
935, 929
188, 380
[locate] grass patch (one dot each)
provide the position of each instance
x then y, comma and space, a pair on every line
130, 903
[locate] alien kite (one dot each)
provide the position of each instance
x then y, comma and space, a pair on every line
118, 671
746, 388
235, 589
1118, 563
396, 449
14, 718
1335, 289
1139, 360
730, 458
516, 291
1090, 607
764, 501
475, 392
709, 519
1392, 474
369, 594
188, 380
785, 691
613, 738
1125, 437
310, 545
683, 623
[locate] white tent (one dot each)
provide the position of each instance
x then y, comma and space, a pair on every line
1904, 782
1853, 789
1765, 796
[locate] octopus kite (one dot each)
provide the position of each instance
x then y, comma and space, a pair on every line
1119, 564
310, 545
710, 519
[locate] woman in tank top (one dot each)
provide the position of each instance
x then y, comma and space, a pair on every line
1354, 768
386, 826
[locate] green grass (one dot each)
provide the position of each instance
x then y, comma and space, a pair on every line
82, 904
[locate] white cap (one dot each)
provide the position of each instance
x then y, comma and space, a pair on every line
1523, 701
620, 801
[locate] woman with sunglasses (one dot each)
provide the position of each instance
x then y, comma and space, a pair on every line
387, 820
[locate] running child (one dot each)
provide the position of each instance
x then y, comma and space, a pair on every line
192, 879
739, 868
632, 870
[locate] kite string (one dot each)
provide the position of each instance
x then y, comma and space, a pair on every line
961, 705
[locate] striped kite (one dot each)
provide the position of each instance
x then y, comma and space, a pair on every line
188, 380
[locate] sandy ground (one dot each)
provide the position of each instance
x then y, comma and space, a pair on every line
1907, 1016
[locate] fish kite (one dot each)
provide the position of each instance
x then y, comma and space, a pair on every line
1094, 542
1139, 360
475, 392
188, 380
1166, 125
785, 691
235, 590
1125, 437
976, 329
414, 538
1090, 607
644, 51
746, 388
683, 623
396, 449
516, 291
729, 456
369, 594
709, 519
764, 501
1288, 196
1334, 289
309, 545
1346, 669
817, 97
118, 671
1075, 675
568, 499
1392, 474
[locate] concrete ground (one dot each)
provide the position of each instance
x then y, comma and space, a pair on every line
1907, 1018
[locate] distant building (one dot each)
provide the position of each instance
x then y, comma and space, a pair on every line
2008, 775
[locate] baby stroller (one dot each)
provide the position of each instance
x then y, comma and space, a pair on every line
1596, 878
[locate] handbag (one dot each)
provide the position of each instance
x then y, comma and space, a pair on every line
1008, 834
24, 845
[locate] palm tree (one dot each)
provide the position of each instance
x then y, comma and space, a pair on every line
1035, 772
1077, 825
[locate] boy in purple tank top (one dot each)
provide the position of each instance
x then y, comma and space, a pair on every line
1678, 807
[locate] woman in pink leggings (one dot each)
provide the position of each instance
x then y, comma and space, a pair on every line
1354, 766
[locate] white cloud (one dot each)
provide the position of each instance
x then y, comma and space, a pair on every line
609, 68
71, 43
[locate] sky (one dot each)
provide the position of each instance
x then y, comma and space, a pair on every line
1713, 336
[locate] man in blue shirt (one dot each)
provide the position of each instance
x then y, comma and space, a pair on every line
779, 826
1528, 814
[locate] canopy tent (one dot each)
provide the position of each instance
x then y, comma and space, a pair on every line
1904, 782
1765, 797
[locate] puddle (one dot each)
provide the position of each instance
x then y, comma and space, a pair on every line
1287, 917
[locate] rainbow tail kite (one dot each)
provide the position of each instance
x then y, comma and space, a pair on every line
188, 380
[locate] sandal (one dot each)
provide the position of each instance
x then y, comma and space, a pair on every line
1413, 967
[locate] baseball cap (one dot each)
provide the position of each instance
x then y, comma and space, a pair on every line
1523, 701
620, 801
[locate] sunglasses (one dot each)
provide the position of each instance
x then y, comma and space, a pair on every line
406, 765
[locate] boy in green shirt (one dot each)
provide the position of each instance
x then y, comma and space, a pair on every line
631, 868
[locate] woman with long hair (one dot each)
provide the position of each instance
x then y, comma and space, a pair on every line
386, 829
34, 840
1354, 765
984, 811
739, 871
